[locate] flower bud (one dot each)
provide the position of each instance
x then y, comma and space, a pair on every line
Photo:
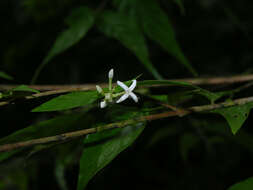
110, 75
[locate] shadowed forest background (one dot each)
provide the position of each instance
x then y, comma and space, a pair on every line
212, 38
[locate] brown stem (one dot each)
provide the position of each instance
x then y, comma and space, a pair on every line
80, 133
195, 81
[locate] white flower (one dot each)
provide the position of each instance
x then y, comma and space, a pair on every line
99, 89
110, 74
103, 104
128, 91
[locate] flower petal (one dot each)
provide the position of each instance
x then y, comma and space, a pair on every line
122, 85
133, 85
122, 98
103, 104
99, 89
133, 96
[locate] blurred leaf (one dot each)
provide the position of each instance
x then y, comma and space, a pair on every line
43, 129
126, 30
18, 92
187, 142
244, 185
212, 97
164, 133
68, 101
50, 127
181, 6
80, 21
179, 97
97, 155
156, 25
5, 76
123, 5
122, 112
161, 98
24, 88
235, 115
59, 174
235, 19
67, 156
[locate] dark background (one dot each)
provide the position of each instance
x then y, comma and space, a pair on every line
216, 38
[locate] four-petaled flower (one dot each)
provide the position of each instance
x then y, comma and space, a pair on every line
110, 95
128, 91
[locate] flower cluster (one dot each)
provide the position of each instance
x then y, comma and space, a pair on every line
110, 95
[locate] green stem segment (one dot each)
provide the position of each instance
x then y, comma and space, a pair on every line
110, 85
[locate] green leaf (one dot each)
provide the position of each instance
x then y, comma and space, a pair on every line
161, 98
197, 90
68, 101
5, 76
156, 25
43, 129
235, 115
125, 29
96, 156
50, 127
24, 88
244, 185
80, 21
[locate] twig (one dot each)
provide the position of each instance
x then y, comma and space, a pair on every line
195, 81
80, 133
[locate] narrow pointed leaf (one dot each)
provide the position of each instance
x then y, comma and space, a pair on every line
5, 76
68, 101
156, 25
125, 29
80, 21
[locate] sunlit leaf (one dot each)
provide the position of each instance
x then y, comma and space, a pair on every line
96, 156
244, 185
80, 21
68, 101
126, 30
5, 76
235, 115
156, 25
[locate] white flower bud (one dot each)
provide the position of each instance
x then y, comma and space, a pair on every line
103, 104
99, 89
110, 75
